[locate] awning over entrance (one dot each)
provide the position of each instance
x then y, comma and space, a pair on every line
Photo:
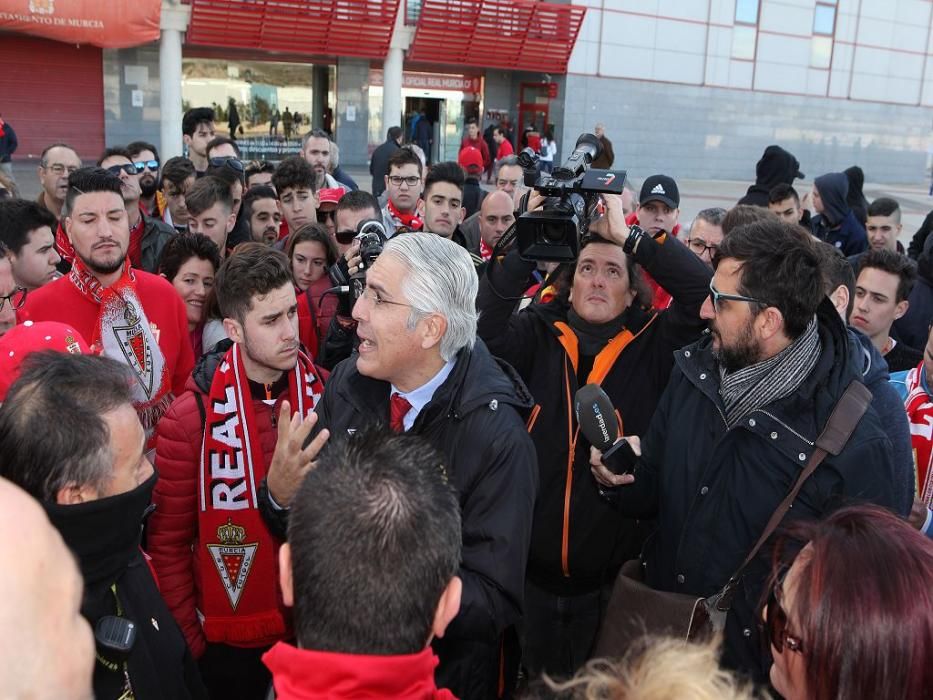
359, 28
509, 34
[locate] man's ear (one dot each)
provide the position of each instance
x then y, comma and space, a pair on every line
447, 607
231, 222
840, 298
285, 575
66, 224
71, 494
234, 330
901, 309
770, 322
435, 326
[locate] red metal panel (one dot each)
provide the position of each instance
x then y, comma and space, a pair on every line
509, 34
359, 28
52, 92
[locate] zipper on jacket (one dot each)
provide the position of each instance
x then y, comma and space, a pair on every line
786, 426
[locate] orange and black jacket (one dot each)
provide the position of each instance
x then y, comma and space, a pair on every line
578, 539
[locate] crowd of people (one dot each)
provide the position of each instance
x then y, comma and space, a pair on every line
266, 434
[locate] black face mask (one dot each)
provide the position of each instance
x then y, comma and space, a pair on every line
104, 534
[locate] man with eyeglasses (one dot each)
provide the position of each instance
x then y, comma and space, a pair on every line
12, 297
147, 235
146, 158
403, 185
56, 163
739, 421
706, 233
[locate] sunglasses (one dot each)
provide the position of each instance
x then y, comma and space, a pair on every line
720, 296
228, 161
776, 622
345, 237
129, 169
141, 165
323, 216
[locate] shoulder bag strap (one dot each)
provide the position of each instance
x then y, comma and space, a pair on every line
846, 414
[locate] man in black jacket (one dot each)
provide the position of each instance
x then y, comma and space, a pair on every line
379, 163
775, 167
419, 368
738, 422
605, 333
70, 437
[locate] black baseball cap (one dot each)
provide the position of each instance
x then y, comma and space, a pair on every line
660, 188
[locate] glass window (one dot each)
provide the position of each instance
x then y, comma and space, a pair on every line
743, 42
821, 51
746, 11
823, 19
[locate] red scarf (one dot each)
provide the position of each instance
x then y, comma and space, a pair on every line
124, 333
238, 556
405, 222
65, 249
304, 674
919, 405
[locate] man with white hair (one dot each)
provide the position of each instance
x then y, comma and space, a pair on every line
421, 369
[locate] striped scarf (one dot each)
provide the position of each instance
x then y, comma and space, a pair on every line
762, 383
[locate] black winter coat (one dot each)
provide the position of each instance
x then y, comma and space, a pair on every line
474, 420
578, 540
713, 489
379, 165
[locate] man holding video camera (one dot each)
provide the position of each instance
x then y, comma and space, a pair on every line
600, 329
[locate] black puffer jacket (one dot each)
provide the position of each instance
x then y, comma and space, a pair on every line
474, 420
713, 490
579, 541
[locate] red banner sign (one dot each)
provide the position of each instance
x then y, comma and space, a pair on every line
105, 23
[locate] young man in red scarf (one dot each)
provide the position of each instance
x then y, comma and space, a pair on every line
403, 185
215, 558
370, 569
130, 315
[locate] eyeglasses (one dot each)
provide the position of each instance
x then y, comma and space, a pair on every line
372, 296
129, 169
699, 246
16, 299
719, 297
229, 161
60, 169
141, 165
323, 216
345, 237
777, 624
411, 180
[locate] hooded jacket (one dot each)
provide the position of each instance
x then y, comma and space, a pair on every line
775, 167
856, 197
475, 421
837, 224
713, 488
913, 328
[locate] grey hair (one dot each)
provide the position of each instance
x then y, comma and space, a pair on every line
508, 160
441, 279
713, 215
315, 133
334, 156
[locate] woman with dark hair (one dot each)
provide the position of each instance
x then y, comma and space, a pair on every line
856, 197
853, 616
190, 261
311, 253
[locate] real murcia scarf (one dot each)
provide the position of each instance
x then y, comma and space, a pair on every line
236, 551
123, 333
919, 405
405, 222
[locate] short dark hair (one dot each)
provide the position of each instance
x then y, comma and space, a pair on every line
375, 539
293, 172
885, 206
316, 134
894, 263
176, 170
181, 248
836, 272
254, 195
18, 218
195, 117
449, 172
252, 269
220, 141
52, 431
114, 151
256, 167
782, 191
91, 179
742, 214
137, 147
780, 266
357, 200
499, 130
206, 192
315, 233
403, 157
227, 174
394, 133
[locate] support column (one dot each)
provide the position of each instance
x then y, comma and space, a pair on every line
174, 23
319, 89
392, 89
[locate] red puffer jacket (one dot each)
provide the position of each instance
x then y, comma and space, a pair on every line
173, 527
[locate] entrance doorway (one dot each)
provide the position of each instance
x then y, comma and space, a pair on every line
432, 110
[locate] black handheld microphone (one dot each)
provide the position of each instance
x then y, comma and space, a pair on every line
597, 420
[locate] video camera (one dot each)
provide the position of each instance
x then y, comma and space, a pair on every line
554, 233
371, 234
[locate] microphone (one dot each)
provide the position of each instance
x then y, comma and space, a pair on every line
597, 420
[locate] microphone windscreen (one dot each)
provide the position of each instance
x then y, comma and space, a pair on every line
596, 416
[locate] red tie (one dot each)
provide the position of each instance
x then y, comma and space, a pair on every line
398, 408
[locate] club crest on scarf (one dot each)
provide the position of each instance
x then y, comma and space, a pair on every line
233, 558
136, 351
